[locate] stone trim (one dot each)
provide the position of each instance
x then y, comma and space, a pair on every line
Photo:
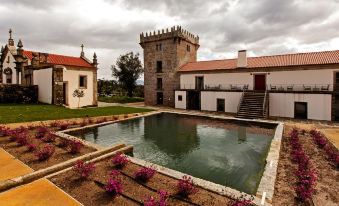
267, 182
207, 185
14, 182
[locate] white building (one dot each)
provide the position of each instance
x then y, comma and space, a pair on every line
299, 85
57, 76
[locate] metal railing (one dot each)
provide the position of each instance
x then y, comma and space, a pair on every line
300, 87
238, 87
270, 87
264, 103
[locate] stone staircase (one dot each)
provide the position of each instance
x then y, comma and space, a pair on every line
251, 105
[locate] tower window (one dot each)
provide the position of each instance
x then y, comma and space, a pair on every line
159, 83
188, 48
159, 66
158, 47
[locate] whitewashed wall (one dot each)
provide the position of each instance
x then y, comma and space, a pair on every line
72, 78
11, 65
321, 76
43, 78
180, 104
218, 78
319, 105
209, 101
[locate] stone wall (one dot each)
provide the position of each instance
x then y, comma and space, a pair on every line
13, 93
173, 55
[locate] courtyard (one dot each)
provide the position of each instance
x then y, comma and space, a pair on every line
69, 152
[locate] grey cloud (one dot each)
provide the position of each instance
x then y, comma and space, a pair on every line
263, 26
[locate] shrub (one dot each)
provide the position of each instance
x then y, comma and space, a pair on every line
30, 127
49, 137
162, 201
75, 146
113, 187
54, 124
144, 174
41, 131
31, 147
4, 131
114, 174
90, 121
119, 160
22, 139
45, 153
306, 178
63, 142
74, 123
83, 169
63, 126
83, 123
185, 186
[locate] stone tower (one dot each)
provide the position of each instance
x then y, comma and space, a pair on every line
164, 52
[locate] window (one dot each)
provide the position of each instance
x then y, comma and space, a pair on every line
158, 47
159, 83
179, 98
83, 81
159, 66
188, 48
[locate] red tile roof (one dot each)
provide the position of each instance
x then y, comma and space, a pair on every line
62, 60
314, 58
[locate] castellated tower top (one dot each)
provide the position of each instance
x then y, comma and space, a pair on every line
173, 32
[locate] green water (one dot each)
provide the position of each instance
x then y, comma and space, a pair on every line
218, 151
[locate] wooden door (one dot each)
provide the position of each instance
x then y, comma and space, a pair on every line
260, 82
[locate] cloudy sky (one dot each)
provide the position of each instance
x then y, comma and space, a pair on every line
112, 27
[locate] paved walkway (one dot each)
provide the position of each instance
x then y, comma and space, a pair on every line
332, 135
40, 192
11, 167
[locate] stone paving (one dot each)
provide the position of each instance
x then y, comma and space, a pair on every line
11, 167
40, 192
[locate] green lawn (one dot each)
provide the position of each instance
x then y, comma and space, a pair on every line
120, 99
11, 113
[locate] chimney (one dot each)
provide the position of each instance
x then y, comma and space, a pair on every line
242, 59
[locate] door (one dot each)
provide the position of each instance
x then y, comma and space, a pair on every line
64, 93
221, 105
193, 100
300, 110
199, 83
260, 82
160, 98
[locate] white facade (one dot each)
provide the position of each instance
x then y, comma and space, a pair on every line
43, 78
209, 101
180, 104
71, 78
296, 77
281, 104
9, 64
318, 105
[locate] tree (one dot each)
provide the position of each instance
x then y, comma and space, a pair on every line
127, 70
78, 93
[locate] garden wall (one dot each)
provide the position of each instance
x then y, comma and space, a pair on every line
13, 93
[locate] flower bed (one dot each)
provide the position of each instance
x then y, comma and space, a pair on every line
38, 147
287, 178
111, 185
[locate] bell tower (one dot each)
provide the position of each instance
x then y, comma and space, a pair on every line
165, 52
